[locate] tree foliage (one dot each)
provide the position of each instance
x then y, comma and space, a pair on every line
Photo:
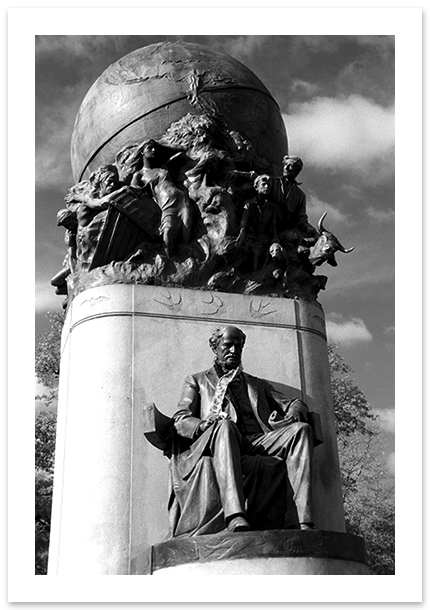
351, 409
45, 428
369, 499
368, 488
47, 362
43, 503
47, 366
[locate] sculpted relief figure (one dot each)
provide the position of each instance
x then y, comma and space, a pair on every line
83, 220
67, 219
196, 208
91, 214
242, 452
177, 210
292, 200
260, 219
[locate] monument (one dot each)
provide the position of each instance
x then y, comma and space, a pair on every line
187, 224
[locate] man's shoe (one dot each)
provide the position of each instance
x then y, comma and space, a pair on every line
307, 526
238, 524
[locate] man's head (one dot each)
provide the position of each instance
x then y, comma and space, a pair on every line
67, 218
291, 166
276, 251
104, 180
263, 184
227, 344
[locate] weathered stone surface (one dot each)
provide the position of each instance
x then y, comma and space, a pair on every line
291, 552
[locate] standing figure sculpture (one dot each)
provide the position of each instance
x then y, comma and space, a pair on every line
260, 220
177, 210
234, 434
66, 218
91, 213
291, 198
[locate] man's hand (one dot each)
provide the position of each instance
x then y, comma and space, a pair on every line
297, 411
205, 424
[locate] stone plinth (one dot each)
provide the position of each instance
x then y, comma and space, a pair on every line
275, 552
125, 346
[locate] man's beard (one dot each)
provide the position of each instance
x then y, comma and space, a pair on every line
224, 368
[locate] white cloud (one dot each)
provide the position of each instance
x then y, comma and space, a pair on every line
348, 133
301, 86
386, 419
369, 264
381, 215
54, 132
382, 43
317, 43
72, 45
242, 47
53, 167
81, 47
316, 208
347, 332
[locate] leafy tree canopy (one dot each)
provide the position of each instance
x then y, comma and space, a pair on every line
368, 487
351, 409
48, 351
45, 428
47, 361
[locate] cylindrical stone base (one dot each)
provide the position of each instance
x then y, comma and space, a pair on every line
275, 552
125, 346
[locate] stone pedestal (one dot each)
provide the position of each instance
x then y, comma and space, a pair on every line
125, 346
267, 553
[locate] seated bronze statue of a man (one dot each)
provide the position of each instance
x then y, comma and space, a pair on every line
229, 428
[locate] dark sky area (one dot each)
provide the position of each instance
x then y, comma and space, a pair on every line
336, 94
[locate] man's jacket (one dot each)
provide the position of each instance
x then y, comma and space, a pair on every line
198, 393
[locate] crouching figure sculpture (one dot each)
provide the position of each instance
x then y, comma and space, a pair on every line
241, 452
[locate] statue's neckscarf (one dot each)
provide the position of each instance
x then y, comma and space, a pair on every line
221, 389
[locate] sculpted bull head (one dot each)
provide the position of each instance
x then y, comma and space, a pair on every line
326, 247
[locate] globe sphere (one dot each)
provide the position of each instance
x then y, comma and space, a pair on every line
141, 95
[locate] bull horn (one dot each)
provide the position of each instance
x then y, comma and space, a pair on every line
320, 223
345, 250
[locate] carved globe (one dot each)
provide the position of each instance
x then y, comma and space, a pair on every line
142, 94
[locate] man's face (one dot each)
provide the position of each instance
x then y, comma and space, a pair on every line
291, 169
276, 251
108, 184
229, 349
264, 185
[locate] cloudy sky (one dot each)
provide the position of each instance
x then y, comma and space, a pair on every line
336, 94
